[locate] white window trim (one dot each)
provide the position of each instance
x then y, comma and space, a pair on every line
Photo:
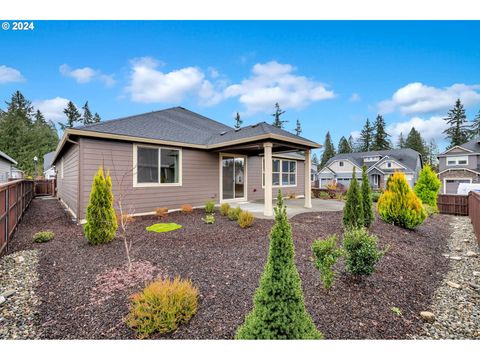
280, 173
456, 159
159, 184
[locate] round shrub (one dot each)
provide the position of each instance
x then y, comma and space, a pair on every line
234, 213
427, 186
209, 207
246, 219
161, 212
209, 219
162, 306
361, 251
186, 208
224, 209
399, 205
43, 236
326, 254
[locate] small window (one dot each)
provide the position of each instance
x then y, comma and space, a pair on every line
157, 166
147, 165
283, 172
389, 164
457, 160
340, 163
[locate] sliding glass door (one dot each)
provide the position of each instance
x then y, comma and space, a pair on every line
233, 177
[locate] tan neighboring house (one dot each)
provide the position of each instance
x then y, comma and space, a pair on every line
6, 166
460, 164
175, 156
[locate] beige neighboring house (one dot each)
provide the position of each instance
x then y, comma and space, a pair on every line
460, 164
6, 165
175, 156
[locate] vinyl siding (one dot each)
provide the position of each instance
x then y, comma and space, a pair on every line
200, 177
347, 166
5, 169
254, 179
473, 162
67, 187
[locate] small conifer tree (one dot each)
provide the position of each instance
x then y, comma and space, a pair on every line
427, 186
353, 210
278, 306
368, 215
101, 221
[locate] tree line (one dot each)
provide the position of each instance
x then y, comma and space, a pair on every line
25, 133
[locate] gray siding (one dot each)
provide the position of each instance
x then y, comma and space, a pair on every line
5, 169
473, 162
67, 187
254, 180
200, 177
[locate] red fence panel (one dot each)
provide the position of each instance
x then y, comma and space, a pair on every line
453, 204
474, 212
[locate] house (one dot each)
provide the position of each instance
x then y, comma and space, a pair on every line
460, 164
16, 173
48, 168
380, 165
6, 163
175, 156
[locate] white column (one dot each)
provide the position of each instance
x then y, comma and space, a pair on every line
308, 182
267, 207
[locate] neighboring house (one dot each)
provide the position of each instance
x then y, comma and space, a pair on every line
380, 165
16, 173
6, 163
175, 156
460, 164
48, 168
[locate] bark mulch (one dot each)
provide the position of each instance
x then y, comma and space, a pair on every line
225, 263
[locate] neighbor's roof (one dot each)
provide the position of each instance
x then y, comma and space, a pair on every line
183, 127
472, 145
406, 157
47, 160
8, 158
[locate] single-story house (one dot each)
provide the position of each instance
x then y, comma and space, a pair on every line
175, 156
380, 165
6, 163
17, 173
48, 168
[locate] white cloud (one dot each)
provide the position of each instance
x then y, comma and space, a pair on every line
431, 128
148, 84
52, 109
274, 82
8, 75
86, 74
417, 98
355, 97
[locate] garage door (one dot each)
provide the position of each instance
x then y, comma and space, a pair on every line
452, 185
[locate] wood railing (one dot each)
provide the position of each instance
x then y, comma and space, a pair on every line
15, 196
474, 212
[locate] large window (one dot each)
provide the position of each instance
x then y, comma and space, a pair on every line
457, 160
284, 172
156, 166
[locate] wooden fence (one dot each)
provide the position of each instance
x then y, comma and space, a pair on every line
15, 196
45, 187
474, 212
453, 204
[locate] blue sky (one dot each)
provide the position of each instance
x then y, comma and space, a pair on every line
330, 75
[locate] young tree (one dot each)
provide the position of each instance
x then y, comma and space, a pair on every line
353, 215
238, 121
431, 152
380, 137
73, 116
87, 115
277, 121
457, 132
414, 141
328, 150
298, 128
344, 146
366, 137
401, 142
101, 220
475, 127
278, 305
351, 143
368, 215
427, 186
315, 160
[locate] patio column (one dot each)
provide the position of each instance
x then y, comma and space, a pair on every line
267, 207
308, 181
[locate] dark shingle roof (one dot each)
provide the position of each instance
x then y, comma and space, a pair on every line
8, 158
181, 125
407, 157
473, 145
47, 160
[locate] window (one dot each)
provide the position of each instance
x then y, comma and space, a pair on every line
156, 166
340, 163
371, 158
457, 160
389, 164
284, 172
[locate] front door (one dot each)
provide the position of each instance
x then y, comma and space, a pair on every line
233, 178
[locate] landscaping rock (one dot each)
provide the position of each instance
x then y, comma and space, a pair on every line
455, 258
8, 293
2, 300
454, 285
476, 273
427, 316
19, 259
471, 254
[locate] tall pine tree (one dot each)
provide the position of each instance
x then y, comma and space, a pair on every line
328, 150
298, 128
414, 141
277, 121
344, 146
380, 137
475, 127
366, 137
87, 115
351, 143
96, 118
457, 131
401, 141
238, 121
73, 116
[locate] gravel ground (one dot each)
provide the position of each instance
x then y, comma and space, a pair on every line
18, 275
225, 263
456, 303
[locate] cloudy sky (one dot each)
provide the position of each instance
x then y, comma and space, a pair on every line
329, 75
